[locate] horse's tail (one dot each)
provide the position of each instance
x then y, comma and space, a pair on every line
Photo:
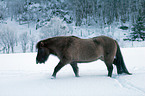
119, 62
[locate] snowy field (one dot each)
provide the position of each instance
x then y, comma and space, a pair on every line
21, 76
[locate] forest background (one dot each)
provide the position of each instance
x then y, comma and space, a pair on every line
24, 22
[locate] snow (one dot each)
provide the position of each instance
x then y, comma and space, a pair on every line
21, 76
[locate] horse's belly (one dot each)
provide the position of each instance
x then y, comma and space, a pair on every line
86, 60
87, 51
92, 56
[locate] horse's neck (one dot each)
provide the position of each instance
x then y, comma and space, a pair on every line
53, 45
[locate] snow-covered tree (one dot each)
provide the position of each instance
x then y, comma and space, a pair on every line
55, 27
3, 10
138, 30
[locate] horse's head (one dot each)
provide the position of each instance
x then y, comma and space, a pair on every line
42, 54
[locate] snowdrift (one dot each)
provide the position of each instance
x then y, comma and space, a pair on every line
21, 76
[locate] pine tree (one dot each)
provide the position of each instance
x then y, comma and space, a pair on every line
138, 30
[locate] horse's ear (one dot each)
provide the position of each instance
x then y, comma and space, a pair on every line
41, 44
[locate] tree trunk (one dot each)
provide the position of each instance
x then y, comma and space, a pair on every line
12, 49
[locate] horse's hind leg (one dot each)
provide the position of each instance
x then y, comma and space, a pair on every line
118, 66
110, 69
109, 63
75, 68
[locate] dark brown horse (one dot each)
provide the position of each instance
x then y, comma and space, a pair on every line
72, 50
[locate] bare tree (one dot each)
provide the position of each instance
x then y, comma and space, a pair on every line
24, 41
32, 42
8, 39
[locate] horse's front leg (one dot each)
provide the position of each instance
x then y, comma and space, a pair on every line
57, 68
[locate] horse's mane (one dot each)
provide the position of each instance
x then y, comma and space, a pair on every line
53, 39
39, 43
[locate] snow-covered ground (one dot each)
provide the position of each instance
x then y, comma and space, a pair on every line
21, 76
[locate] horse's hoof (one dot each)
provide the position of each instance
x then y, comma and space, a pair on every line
52, 77
128, 73
77, 76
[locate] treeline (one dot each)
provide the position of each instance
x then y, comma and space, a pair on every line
97, 13
9, 39
88, 12
104, 12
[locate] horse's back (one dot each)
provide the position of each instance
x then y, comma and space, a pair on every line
107, 42
78, 49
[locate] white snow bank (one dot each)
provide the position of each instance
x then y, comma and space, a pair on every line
21, 76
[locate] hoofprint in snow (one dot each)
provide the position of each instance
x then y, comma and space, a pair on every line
21, 76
